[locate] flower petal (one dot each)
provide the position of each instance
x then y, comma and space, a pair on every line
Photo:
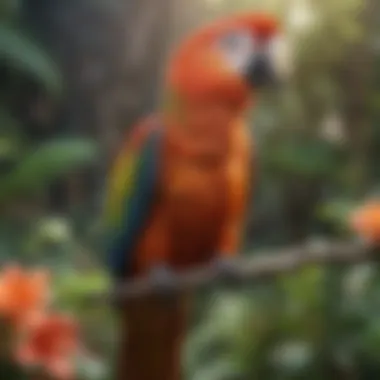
61, 369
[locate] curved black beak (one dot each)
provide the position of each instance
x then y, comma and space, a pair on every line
260, 73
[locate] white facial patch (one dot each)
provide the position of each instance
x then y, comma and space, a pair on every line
279, 53
239, 48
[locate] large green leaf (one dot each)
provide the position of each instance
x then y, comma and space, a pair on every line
309, 158
20, 53
47, 163
77, 285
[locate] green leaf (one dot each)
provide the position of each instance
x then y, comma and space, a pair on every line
370, 339
71, 287
304, 286
336, 211
309, 158
49, 162
94, 281
23, 54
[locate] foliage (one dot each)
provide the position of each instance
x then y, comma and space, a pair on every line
23, 55
47, 162
285, 330
27, 167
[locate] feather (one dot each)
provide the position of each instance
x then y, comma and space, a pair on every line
130, 195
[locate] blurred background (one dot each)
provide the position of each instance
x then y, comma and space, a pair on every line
76, 74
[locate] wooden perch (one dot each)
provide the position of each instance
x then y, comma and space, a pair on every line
262, 265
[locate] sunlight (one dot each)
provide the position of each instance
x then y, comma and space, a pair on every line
301, 15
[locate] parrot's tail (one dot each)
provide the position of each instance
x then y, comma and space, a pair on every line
152, 336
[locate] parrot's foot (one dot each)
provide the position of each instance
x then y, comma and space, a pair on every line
164, 281
227, 271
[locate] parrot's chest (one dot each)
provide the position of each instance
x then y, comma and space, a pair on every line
195, 200
195, 190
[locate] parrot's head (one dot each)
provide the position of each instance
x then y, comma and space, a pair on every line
230, 59
216, 71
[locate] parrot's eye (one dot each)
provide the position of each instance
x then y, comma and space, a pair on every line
238, 48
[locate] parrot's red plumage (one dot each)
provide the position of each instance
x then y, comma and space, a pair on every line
200, 192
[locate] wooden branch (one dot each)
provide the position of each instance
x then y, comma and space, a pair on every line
263, 265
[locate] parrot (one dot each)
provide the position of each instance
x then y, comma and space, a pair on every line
178, 188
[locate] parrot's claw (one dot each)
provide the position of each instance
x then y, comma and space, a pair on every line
164, 281
227, 271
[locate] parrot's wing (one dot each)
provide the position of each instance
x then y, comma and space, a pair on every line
130, 195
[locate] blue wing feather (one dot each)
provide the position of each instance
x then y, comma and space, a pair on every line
137, 208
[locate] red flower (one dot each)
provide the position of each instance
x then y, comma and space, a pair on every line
52, 342
22, 293
365, 221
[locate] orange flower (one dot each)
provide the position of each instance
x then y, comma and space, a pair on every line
365, 221
51, 343
22, 293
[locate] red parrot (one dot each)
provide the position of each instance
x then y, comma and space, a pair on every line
178, 189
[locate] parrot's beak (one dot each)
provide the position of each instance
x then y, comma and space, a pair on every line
260, 73
271, 67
